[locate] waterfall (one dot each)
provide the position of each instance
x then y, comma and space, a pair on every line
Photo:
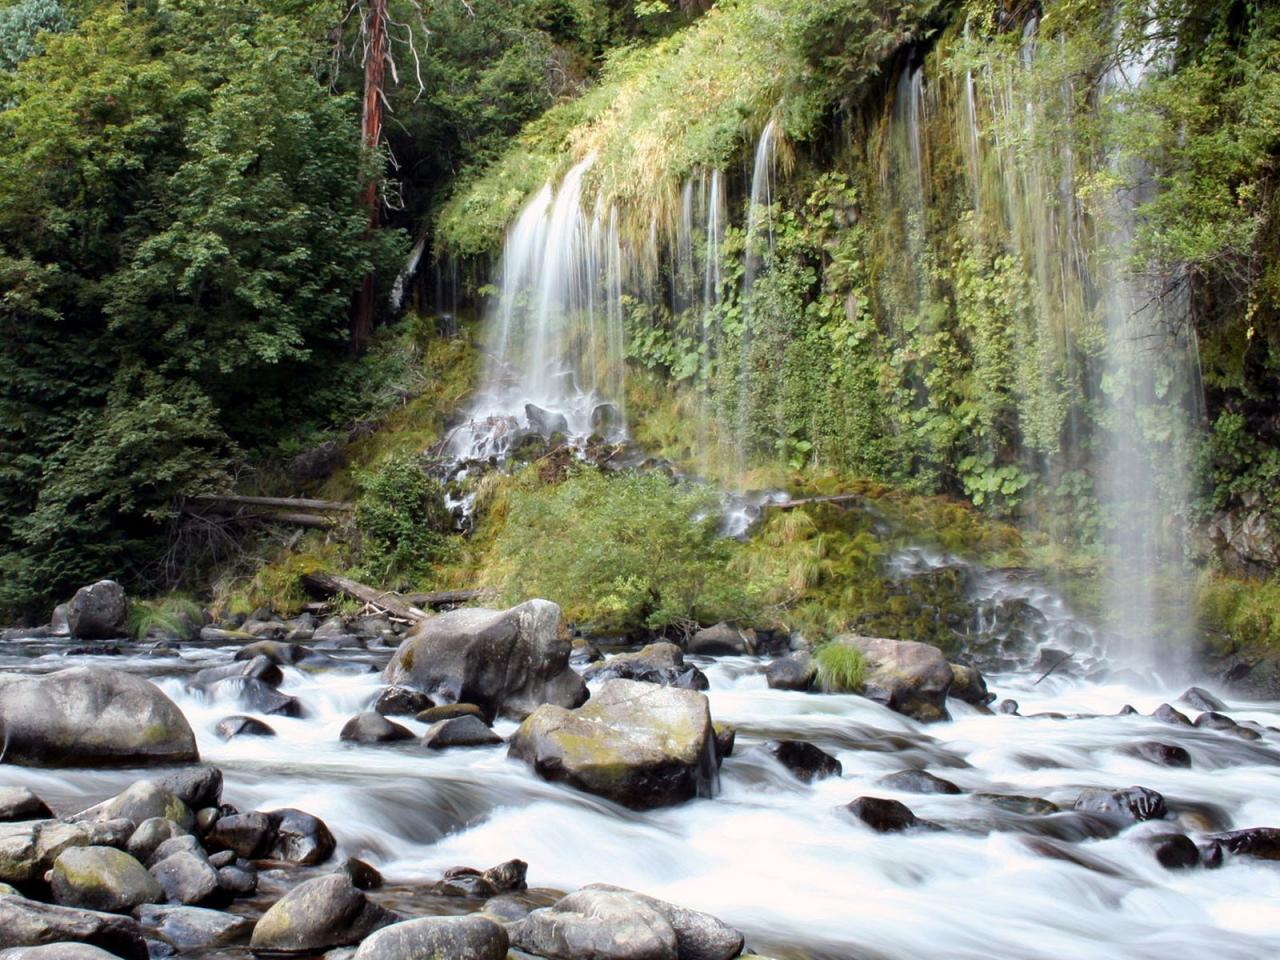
554, 337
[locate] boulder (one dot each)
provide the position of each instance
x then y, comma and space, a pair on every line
318, 915
1165, 754
1198, 698
882, 815
1211, 720
278, 652
796, 671
1019, 803
969, 685
237, 881
248, 835
255, 668
257, 696
186, 878
807, 762
639, 744
371, 727
507, 662
97, 611
459, 732
448, 711
299, 837
1173, 851
726, 735
29, 848
474, 937
150, 834
140, 801
197, 787
661, 663
57, 951
722, 640
1167, 714
1130, 805
28, 923
918, 781
242, 726
545, 422
102, 878
1260, 842
599, 924
19, 803
401, 702
908, 677
91, 716
363, 875
189, 928
183, 844
699, 936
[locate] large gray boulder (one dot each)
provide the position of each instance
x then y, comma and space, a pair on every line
656, 663
908, 677
91, 716
97, 611
722, 639
318, 915
699, 936
101, 878
600, 924
29, 923
507, 662
19, 803
639, 744
472, 937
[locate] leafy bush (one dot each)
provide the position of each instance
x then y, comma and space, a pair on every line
621, 554
841, 669
403, 521
1239, 612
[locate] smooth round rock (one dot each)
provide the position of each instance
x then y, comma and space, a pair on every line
318, 915
918, 781
472, 937
242, 726
467, 731
805, 761
372, 727
102, 878
883, 815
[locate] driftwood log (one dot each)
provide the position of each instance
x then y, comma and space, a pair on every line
388, 600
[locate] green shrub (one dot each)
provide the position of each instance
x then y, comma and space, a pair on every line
622, 554
403, 522
841, 669
1237, 612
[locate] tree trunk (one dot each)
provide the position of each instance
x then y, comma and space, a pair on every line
375, 66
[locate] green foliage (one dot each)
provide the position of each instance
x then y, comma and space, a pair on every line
841, 668
620, 554
403, 522
1238, 613
21, 25
176, 615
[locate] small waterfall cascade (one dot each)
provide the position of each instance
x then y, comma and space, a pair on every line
555, 348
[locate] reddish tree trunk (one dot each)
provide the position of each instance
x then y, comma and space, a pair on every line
371, 128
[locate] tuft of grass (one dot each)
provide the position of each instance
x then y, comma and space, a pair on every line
177, 614
841, 668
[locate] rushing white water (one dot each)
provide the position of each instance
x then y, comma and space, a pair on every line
555, 339
780, 859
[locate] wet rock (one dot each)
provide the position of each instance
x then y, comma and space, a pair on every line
699, 936
722, 640
401, 702
726, 735
1131, 805
363, 876
140, 801
918, 781
601, 924
1166, 714
278, 652
464, 882
212, 634
91, 716
448, 711
97, 612
1128, 710
150, 834
458, 938
242, 726
515, 906
606, 419
57, 951
237, 881
459, 732
190, 928
882, 815
1173, 851
506, 662
1165, 754
223, 858
19, 803
796, 671
1212, 855
318, 915
102, 878
371, 727
113, 832
639, 744
1211, 720
256, 696
1260, 842
1007, 707
1198, 698
184, 844
908, 677
298, 837
661, 663
29, 848
256, 668
25, 923
805, 761
545, 422
507, 876
969, 685
186, 878
197, 787
247, 834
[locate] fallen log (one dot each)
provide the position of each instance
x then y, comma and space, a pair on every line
388, 600
442, 598
283, 503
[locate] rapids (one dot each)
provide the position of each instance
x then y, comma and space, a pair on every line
779, 859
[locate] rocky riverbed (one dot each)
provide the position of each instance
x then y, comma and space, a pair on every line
341, 795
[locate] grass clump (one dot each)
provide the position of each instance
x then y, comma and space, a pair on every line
1239, 612
841, 668
175, 614
621, 554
